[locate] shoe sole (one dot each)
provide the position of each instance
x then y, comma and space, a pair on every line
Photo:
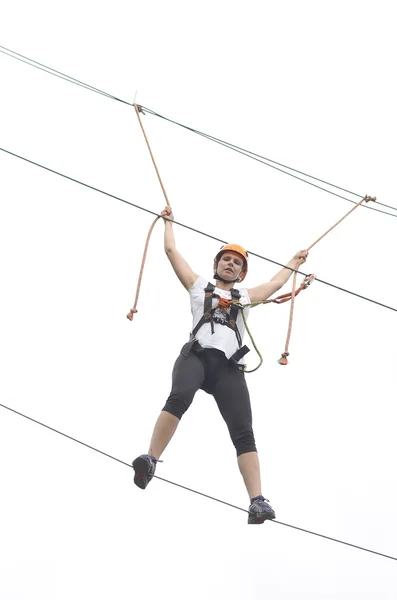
141, 469
259, 519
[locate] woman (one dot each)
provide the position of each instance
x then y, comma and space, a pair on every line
213, 361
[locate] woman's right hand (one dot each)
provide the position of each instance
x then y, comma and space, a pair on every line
167, 214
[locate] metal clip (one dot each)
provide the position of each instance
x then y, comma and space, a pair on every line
308, 280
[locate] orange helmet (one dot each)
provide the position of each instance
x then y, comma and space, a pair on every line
241, 251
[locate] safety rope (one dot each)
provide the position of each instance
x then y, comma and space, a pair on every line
254, 345
134, 309
279, 300
284, 360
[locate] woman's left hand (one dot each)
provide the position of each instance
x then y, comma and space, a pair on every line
301, 256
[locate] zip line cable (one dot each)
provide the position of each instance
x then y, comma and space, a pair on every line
196, 491
229, 144
262, 160
253, 155
212, 237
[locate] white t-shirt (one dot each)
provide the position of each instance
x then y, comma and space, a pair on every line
223, 338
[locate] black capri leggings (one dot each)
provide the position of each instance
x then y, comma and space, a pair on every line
209, 369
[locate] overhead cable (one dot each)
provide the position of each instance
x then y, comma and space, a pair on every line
196, 491
263, 160
91, 187
51, 71
253, 155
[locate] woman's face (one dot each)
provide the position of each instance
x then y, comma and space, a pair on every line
230, 265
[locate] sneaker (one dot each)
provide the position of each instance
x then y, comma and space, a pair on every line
260, 511
144, 467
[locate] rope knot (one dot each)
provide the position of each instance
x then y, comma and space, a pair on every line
368, 198
130, 315
283, 360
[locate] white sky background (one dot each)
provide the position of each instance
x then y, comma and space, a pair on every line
310, 85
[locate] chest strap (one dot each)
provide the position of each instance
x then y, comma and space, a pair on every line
208, 316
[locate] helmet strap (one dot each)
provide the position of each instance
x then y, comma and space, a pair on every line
216, 276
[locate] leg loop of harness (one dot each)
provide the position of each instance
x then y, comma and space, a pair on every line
239, 355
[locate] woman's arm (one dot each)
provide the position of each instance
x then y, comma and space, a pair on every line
264, 291
183, 271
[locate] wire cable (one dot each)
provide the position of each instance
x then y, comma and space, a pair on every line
212, 237
229, 144
193, 490
253, 155
263, 160
51, 71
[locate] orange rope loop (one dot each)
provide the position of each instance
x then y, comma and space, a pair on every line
285, 297
133, 310
283, 360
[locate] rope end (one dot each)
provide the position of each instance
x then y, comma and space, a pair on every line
368, 198
130, 315
283, 360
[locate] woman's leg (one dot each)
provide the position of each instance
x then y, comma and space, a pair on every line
187, 378
163, 432
232, 397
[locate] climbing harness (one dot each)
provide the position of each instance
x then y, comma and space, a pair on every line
224, 305
230, 309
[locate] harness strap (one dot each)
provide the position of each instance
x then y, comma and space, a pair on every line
242, 351
231, 319
208, 310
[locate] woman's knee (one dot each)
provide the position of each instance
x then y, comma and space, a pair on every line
244, 441
187, 377
176, 406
